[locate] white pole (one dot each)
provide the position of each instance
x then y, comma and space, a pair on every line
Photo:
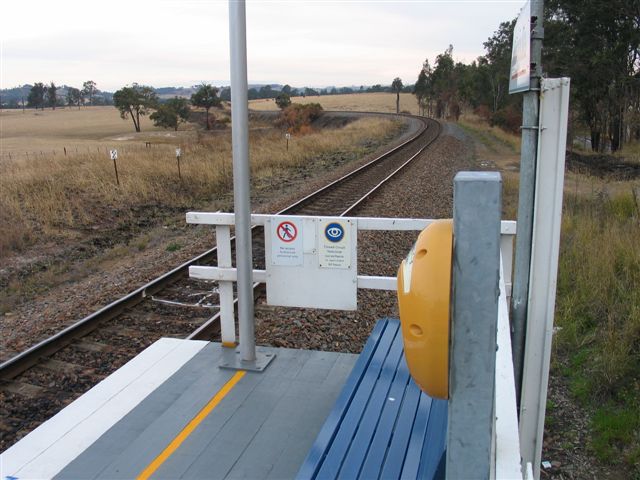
547, 217
241, 186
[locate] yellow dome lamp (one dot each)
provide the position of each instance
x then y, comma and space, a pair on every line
424, 299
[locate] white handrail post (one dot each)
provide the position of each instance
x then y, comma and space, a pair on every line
225, 289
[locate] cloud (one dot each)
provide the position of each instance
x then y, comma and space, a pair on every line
301, 43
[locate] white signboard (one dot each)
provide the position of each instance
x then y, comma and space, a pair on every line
521, 52
286, 241
114, 154
178, 152
304, 268
335, 243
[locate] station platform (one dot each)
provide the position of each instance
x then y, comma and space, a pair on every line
172, 412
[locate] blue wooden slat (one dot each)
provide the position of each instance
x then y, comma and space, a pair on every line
368, 423
335, 456
328, 431
435, 442
395, 454
382, 438
366, 436
414, 450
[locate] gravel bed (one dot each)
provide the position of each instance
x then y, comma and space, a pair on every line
427, 192
47, 313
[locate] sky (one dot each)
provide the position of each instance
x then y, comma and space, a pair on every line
184, 43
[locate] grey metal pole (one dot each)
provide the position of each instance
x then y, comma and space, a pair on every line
477, 209
528, 152
241, 186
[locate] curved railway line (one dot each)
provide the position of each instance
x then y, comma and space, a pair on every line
54, 372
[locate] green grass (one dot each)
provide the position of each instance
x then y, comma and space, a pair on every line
630, 152
598, 312
615, 428
173, 247
488, 135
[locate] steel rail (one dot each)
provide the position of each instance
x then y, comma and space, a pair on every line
204, 330
26, 359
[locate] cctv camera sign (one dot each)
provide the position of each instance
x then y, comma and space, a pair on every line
335, 244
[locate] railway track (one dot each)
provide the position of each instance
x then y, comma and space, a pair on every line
37, 383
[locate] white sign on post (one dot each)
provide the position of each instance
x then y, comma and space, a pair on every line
521, 52
114, 154
286, 241
312, 262
335, 244
178, 152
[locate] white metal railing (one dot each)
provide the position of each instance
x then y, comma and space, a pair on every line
225, 274
505, 437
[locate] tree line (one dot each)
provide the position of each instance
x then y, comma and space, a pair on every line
596, 43
268, 92
137, 101
43, 95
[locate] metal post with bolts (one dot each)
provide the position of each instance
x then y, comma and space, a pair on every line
528, 153
248, 360
477, 205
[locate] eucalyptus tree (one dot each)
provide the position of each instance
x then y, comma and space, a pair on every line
52, 95
171, 113
89, 90
135, 101
206, 97
36, 95
396, 86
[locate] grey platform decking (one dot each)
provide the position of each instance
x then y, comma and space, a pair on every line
262, 429
366, 415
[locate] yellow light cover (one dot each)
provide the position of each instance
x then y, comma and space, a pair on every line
424, 295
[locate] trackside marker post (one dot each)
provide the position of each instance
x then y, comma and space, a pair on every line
114, 156
178, 154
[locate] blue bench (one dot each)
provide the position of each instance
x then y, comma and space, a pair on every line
382, 425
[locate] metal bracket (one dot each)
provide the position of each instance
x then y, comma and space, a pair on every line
231, 360
537, 33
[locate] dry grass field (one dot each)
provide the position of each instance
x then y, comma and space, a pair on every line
58, 196
357, 102
49, 130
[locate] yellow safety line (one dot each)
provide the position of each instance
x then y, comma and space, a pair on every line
191, 426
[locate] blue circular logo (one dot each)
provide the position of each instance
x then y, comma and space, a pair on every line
334, 232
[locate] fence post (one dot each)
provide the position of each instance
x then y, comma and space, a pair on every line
225, 289
476, 265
